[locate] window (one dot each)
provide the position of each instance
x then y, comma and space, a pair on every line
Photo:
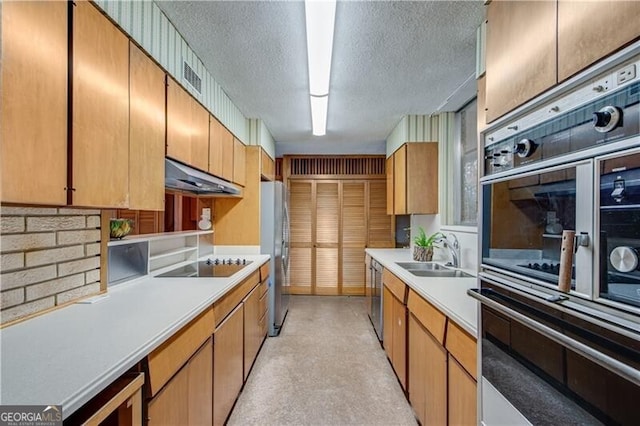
465, 167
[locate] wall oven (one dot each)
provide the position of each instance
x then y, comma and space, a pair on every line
559, 254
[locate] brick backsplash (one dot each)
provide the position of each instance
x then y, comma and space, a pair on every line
48, 256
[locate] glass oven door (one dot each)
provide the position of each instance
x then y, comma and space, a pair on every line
619, 229
524, 216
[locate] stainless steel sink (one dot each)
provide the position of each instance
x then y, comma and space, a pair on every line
432, 269
422, 266
442, 273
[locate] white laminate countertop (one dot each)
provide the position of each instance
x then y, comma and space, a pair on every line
69, 355
449, 295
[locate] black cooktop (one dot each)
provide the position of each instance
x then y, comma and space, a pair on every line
208, 268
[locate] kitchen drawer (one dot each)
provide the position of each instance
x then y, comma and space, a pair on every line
264, 286
463, 348
263, 303
395, 285
430, 318
264, 271
228, 303
167, 359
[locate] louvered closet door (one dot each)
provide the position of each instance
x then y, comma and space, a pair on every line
327, 233
380, 226
354, 237
301, 242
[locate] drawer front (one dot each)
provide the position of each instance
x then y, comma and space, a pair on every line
463, 348
167, 359
264, 271
430, 318
395, 285
228, 303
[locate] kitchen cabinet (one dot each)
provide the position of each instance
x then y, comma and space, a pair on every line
353, 240
519, 34
267, 166
395, 324
588, 31
228, 362
380, 226
255, 307
415, 179
33, 153
187, 128
146, 132
461, 395
100, 105
220, 150
239, 162
186, 399
388, 167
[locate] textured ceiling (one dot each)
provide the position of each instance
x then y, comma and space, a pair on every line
390, 59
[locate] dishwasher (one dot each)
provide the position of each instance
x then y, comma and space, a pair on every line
375, 306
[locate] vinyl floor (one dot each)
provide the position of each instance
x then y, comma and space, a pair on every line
326, 368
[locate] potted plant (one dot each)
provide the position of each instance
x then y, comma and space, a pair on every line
423, 245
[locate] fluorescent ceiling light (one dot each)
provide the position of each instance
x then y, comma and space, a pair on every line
319, 114
320, 19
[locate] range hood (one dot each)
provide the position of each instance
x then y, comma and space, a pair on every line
184, 178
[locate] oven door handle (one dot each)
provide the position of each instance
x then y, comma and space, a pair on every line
611, 364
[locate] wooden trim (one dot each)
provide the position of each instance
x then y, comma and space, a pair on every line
395, 285
463, 347
169, 357
427, 315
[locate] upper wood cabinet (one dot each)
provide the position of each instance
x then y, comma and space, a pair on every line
267, 166
100, 120
239, 162
220, 150
187, 128
414, 179
590, 30
33, 152
521, 53
390, 184
146, 132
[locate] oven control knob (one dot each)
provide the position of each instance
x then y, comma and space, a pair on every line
524, 148
624, 258
606, 119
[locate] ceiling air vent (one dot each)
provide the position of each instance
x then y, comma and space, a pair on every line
192, 78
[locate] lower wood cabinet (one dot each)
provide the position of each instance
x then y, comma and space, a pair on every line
186, 399
228, 361
461, 394
427, 375
254, 334
395, 334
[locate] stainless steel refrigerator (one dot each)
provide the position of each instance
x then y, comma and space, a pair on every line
274, 241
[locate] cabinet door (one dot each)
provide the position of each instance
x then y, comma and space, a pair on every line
422, 178
227, 364
388, 167
417, 368
589, 31
461, 395
326, 241
252, 330
521, 56
435, 381
267, 166
171, 405
199, 136
380, 224
227, 155
239, 162
33, 152
146, 132
354, 238
100, 124
400, 341
301, 238
400, 181
216, 132
387, 322
179, 126
200, 385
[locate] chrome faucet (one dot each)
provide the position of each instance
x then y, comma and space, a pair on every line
454, 249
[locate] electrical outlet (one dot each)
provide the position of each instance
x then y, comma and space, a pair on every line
627, 73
